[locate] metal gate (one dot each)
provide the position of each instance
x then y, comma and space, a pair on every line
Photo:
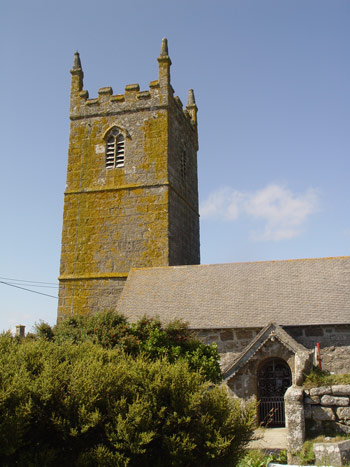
271, 411
274, 377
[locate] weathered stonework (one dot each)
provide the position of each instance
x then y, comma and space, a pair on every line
334, 400
334, 341
330, 405
335, 454
144, 214
295, 419
232, 341
245, 382
228, 340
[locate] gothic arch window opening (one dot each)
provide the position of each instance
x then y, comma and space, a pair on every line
115, 146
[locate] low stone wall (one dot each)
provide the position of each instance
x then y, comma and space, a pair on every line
322, 409
328, 407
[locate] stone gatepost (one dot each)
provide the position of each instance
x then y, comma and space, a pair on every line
295, 420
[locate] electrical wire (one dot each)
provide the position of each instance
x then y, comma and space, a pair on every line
28, 290
23, 283
23, 280
30, 284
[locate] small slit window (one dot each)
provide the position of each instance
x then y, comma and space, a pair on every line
115, 150
183, 165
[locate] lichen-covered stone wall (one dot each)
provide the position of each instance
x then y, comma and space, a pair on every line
144, 214
183, 195
334, 341
89, 294
328, 408
320, 410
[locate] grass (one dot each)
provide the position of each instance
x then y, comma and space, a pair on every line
319, 377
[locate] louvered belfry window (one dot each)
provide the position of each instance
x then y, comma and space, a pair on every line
115, 150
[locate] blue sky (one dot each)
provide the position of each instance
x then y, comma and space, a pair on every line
271, 79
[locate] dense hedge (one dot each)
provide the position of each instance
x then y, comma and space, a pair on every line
147, 336
65, 403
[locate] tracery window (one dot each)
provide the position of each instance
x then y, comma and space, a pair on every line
115, 149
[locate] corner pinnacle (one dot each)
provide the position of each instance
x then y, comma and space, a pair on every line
164, 47
191, 101
76, 62
191, 107
77, 76
164, 64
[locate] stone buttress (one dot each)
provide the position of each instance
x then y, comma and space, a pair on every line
131, 197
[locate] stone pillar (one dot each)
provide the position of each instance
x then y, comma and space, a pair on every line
295, 420
303, 364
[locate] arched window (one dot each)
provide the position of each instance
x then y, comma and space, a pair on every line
115, 149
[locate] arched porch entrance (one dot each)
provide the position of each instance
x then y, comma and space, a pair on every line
274, 378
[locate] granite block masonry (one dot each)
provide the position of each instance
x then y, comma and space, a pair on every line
129, 202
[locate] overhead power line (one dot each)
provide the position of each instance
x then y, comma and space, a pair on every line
28, 290
23, 280
30, 284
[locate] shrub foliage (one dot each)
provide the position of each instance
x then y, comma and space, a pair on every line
111, 330
87, 404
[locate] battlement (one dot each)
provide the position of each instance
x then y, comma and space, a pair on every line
159, 95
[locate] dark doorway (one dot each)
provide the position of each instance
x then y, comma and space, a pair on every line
274, 378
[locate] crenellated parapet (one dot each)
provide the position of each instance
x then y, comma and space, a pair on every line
160, 95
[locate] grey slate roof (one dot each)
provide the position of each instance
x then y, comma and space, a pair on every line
293, 292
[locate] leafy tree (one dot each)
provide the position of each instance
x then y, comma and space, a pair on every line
87, 405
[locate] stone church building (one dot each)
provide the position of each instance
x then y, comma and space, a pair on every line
130, 242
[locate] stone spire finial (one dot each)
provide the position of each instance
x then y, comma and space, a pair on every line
164, 65
191, 106
164, 47
77, 76
76, 62
191, 99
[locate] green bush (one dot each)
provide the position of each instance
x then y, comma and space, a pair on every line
83, 404
147, 336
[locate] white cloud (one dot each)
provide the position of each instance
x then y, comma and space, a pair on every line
282, 212
224, 203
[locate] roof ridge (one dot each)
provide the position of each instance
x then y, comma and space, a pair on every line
326, 258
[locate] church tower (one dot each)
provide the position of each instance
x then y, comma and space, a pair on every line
131, 198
